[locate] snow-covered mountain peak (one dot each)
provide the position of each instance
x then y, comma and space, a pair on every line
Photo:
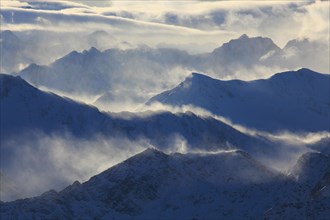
92, 51
301, 74
245, 44
243, 51
243, 37
71, 54
303, 92
151, 153
185, 185
297, 43
29, 109
197, 78
8, 36
75, 57
235, 166
149, 157
308, 73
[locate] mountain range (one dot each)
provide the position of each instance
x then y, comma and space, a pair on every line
294, 101
26, 109
247, 149
20, 49
151, 184
156, 69
29, 114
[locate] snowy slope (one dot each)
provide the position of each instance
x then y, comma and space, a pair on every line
230, 185
244, 52
295, 101
102, 70
22, 48
312, 174
321, 146
114, 70
30, 116
24, 108
310, 168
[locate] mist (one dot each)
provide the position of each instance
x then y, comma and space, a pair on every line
50, 30
289, 145
44, 162
54, 161
116, 55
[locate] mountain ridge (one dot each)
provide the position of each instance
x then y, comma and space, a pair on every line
152, 182
289, 97
39, 116
105, 71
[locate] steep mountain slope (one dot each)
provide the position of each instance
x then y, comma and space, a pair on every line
153, 182
100, 72
244, 51
113, 64
295, 101
22, 48
321, 146
310, 168
34, 122
115, 70
62, 74
230, 185
312, 174
24, 108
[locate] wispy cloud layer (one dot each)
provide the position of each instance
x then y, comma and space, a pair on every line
147, 21
53, 162
195, 26
48, 30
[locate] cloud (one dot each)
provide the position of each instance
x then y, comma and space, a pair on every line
194, 26
176, 20
55, 161
42, 5
266, 18
75, 20
51, 29
284, 136
289, 145
98, 3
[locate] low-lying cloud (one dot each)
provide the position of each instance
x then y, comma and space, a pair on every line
49, 30
290, 145
34, 163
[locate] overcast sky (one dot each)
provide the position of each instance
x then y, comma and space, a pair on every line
174, 22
